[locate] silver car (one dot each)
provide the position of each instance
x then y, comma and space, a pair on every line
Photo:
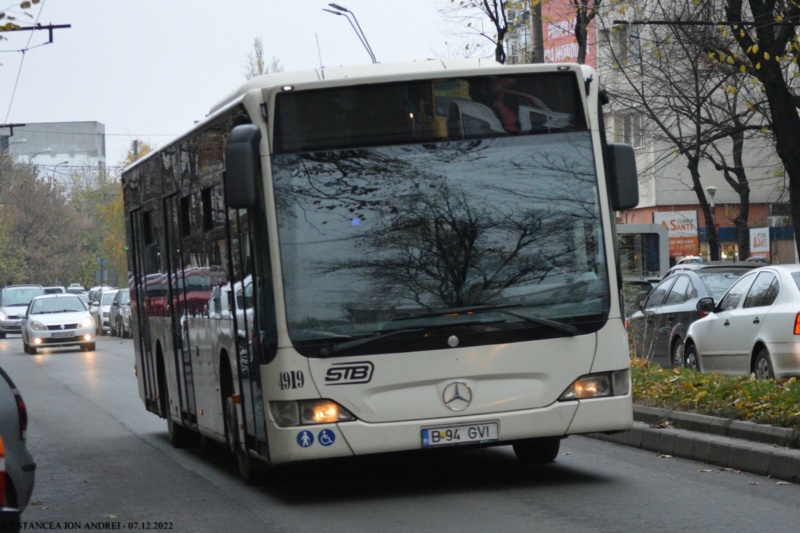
100, 307
119, 317
14, 300
20, 467
57, 320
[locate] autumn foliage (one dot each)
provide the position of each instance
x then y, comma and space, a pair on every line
741, 398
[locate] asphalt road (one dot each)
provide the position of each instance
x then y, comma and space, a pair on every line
104, 461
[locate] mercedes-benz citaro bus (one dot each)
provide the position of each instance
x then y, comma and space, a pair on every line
429, 256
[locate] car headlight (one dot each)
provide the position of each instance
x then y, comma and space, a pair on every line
86, 323
3, 316
309, 412
599, 386
38, 326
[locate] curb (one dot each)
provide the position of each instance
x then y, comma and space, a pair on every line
755, 448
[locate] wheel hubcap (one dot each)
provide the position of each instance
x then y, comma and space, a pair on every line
762, 369
677, 357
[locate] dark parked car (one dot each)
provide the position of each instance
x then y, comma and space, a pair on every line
119, 316
658, 328
20, 468
635, 291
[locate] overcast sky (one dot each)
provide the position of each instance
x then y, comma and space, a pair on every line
149, 69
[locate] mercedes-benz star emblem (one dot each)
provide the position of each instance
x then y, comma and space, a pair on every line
457, 396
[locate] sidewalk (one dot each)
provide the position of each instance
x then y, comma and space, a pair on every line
745, 446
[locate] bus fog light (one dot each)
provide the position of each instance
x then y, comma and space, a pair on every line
308, 412
591, 386
285, 413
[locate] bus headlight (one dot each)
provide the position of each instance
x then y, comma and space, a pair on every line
600, 385
309, 412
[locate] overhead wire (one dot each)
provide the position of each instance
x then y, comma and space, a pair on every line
21, 63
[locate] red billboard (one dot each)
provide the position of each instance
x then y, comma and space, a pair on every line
558, 30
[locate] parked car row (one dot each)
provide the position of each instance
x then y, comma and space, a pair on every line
737, 319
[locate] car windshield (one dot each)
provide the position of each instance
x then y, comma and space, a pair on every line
125, 298
718, 282
108, 297
44, 306
19, 296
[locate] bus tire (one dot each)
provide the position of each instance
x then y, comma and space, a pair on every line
250, 469
179, 436
537, 451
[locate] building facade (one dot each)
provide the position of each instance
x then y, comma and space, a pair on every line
57, 148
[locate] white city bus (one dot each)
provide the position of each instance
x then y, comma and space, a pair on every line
391, 257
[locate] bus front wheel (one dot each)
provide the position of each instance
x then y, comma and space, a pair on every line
537, 451
179, 436
250, 469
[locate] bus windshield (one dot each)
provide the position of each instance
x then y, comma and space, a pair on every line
371, 235
386, 223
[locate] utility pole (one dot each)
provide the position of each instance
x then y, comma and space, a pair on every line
49, 28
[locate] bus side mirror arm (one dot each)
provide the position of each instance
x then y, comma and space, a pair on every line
621, 177
242, 166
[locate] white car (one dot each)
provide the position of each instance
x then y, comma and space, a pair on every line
57, 320
755, 327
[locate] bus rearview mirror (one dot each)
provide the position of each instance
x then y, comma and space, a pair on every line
242, 166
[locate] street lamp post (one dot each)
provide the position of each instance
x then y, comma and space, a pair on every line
346, 13
56, 168
711, 190
45, 151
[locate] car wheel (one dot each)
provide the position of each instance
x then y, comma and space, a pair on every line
678, 360
537, 451
32, 350
763, 365
92, 346
690, 357
2, 334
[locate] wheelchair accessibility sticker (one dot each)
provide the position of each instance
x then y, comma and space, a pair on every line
326, 437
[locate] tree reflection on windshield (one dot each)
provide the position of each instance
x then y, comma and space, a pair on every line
374, 234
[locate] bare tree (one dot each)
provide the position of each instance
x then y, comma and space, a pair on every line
585, 12
472, 14
767, 50
692, 103
256, 65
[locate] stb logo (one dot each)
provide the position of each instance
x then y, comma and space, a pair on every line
349, 373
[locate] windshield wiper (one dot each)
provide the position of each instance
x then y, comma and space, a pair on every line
349, 345
569, 329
